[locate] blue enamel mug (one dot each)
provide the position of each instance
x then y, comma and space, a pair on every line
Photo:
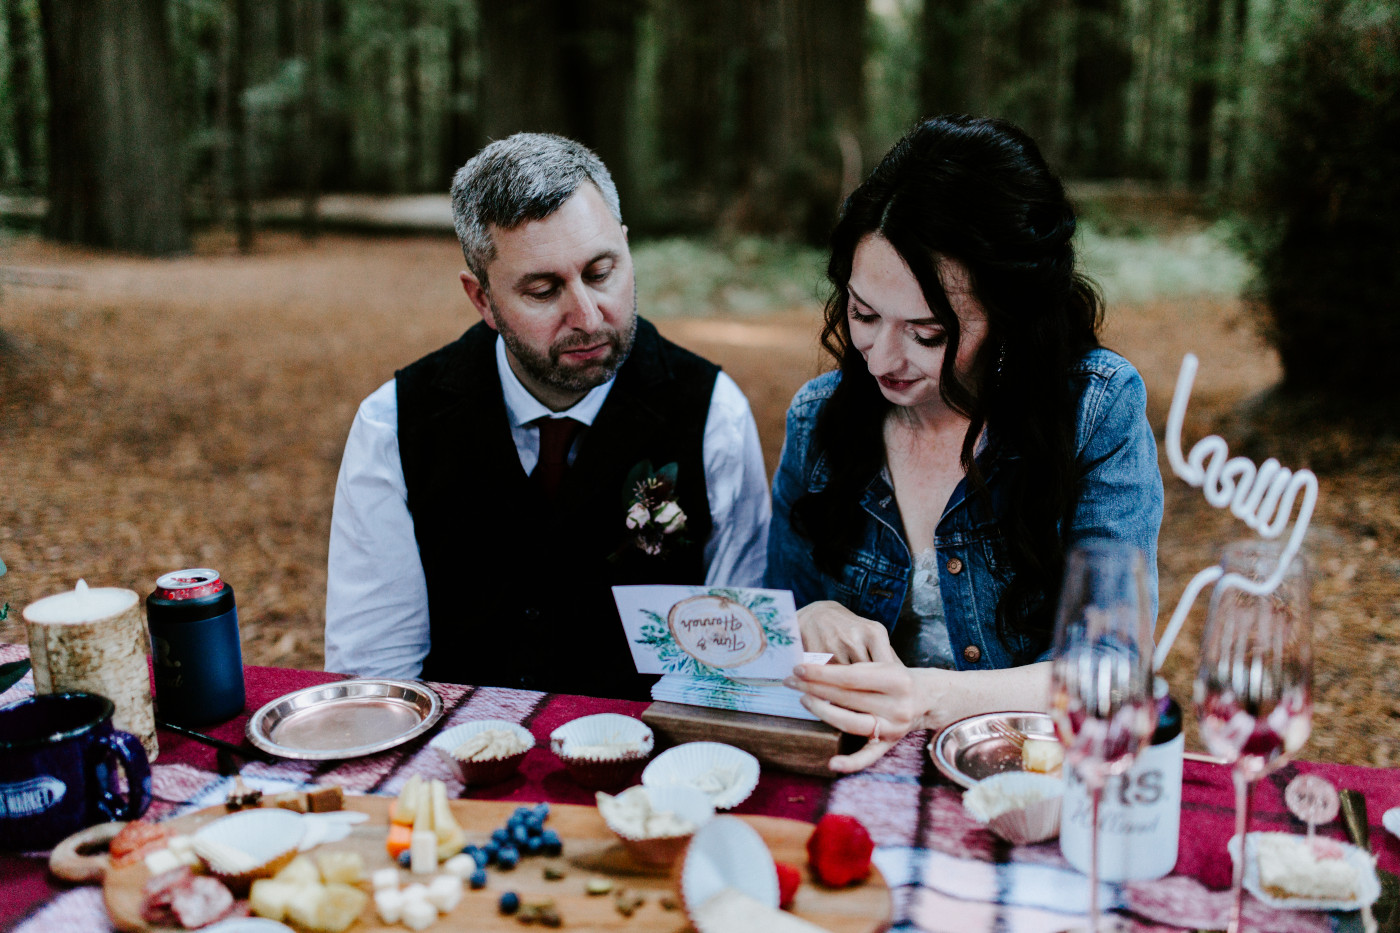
59, 762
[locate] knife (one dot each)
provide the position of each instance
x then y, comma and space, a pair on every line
1359, 832
242, 751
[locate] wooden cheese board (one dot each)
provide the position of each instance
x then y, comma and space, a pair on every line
590, 850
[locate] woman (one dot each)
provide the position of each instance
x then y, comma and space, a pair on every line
931, 486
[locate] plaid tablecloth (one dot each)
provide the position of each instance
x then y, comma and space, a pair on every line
945, 871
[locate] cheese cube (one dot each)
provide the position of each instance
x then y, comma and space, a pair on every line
1042, 756
342, 867
161, 861
304, 905
423, 852
340, 906
300, 870
269, 897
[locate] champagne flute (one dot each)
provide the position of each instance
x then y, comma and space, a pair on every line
1253, 689
1101, 673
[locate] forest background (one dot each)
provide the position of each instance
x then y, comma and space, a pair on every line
196, 288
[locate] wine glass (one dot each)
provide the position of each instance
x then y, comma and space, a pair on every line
1253, 689
1101, 673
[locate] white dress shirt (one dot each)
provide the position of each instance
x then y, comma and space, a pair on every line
376, 593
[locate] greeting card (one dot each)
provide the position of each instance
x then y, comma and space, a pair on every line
718, 647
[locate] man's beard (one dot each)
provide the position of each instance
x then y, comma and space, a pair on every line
547, 368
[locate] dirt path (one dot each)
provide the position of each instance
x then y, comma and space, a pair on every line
156, 415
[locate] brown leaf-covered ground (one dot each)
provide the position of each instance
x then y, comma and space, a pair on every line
191, 412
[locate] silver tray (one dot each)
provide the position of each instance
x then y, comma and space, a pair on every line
968, 750
345, 719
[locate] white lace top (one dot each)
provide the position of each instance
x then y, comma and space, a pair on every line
921, 635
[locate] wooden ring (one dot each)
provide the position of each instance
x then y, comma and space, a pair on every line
71, 861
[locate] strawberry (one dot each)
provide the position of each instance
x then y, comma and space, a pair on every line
839, 850
789, 877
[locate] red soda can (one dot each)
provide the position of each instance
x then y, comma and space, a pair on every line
198, 658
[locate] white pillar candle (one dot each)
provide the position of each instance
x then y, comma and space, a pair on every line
94, 639
81, 604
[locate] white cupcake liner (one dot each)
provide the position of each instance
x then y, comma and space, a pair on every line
727, 853
686, 803
588, 736
581, 745
727, 774
1037, 819
248, 845
481, 771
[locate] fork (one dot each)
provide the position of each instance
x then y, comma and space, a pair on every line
1009, 732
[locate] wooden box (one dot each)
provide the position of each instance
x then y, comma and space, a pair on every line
797, 745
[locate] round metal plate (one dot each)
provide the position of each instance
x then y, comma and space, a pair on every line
345, 719
968, 750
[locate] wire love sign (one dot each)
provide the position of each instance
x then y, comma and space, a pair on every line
1263, 497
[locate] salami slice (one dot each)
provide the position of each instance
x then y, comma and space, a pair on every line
159, 887
200, 901
159, 891
135, 840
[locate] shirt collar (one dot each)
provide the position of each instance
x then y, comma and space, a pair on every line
523, 408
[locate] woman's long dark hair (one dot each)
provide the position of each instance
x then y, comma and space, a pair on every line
978, 191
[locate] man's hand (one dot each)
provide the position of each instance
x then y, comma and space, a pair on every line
831, 628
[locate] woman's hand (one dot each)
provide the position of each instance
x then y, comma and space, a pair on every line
886, 700
882, 699
830, 628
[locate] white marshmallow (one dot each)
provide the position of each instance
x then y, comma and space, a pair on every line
445, 891
461, 866
418, 915
389, 902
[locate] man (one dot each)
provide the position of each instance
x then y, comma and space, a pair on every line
488, 497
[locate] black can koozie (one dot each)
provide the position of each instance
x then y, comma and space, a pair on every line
197, 656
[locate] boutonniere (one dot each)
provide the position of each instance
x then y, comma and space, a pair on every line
655, 519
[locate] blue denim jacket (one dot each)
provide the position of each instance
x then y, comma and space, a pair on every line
1121, 498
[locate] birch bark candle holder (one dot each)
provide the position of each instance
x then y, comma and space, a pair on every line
94, 639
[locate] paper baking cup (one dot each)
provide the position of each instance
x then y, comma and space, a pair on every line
243, 847
578, 744
687, 803
727, 774
1036, 821
1390, 819
482, 771
727, 853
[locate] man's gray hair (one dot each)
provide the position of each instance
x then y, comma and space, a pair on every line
523, 177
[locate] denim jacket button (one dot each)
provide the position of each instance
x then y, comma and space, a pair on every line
955, 567
972, 653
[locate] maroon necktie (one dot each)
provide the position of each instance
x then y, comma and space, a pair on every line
556, 437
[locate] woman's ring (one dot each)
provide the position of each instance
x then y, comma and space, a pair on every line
875, 731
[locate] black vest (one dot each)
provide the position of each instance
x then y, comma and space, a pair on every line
519, 593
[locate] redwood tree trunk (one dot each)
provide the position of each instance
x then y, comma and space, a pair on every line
798, 125
559, 66
114, 172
